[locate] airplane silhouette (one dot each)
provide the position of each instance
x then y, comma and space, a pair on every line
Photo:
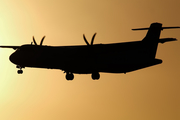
92, 58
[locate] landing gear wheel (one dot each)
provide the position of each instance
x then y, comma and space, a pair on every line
69, 76
20, 71
95, 76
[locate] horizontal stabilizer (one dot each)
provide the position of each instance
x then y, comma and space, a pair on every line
161, 28
169, 27
141, 29
163, 40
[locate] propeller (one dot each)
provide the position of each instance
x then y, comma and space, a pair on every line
40, 42
92, 40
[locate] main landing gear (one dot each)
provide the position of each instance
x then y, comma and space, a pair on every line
94, 76
69, 76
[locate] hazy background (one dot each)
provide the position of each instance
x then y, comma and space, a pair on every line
41, 94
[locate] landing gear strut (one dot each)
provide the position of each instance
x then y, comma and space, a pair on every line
95, 76
19, 71
69, 76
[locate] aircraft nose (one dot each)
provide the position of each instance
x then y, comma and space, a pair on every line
14, 58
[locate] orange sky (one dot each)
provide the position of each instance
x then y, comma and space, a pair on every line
41, 94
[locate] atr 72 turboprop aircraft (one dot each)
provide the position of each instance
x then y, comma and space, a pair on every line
92, 58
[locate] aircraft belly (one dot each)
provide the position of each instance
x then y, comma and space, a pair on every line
113, 61
127, 67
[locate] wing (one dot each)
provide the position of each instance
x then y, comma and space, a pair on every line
13, 47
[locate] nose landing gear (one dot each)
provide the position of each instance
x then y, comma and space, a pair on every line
19, 71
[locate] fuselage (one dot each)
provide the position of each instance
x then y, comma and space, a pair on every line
113, 58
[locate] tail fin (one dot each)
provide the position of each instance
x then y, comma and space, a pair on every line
152, 38
154, 32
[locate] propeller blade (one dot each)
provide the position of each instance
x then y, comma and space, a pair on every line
85, 39
34, 41
93, 38
42, 41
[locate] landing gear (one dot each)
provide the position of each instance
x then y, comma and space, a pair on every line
95, 76
69, 76
20, 71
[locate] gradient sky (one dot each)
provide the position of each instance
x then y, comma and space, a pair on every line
41, 94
